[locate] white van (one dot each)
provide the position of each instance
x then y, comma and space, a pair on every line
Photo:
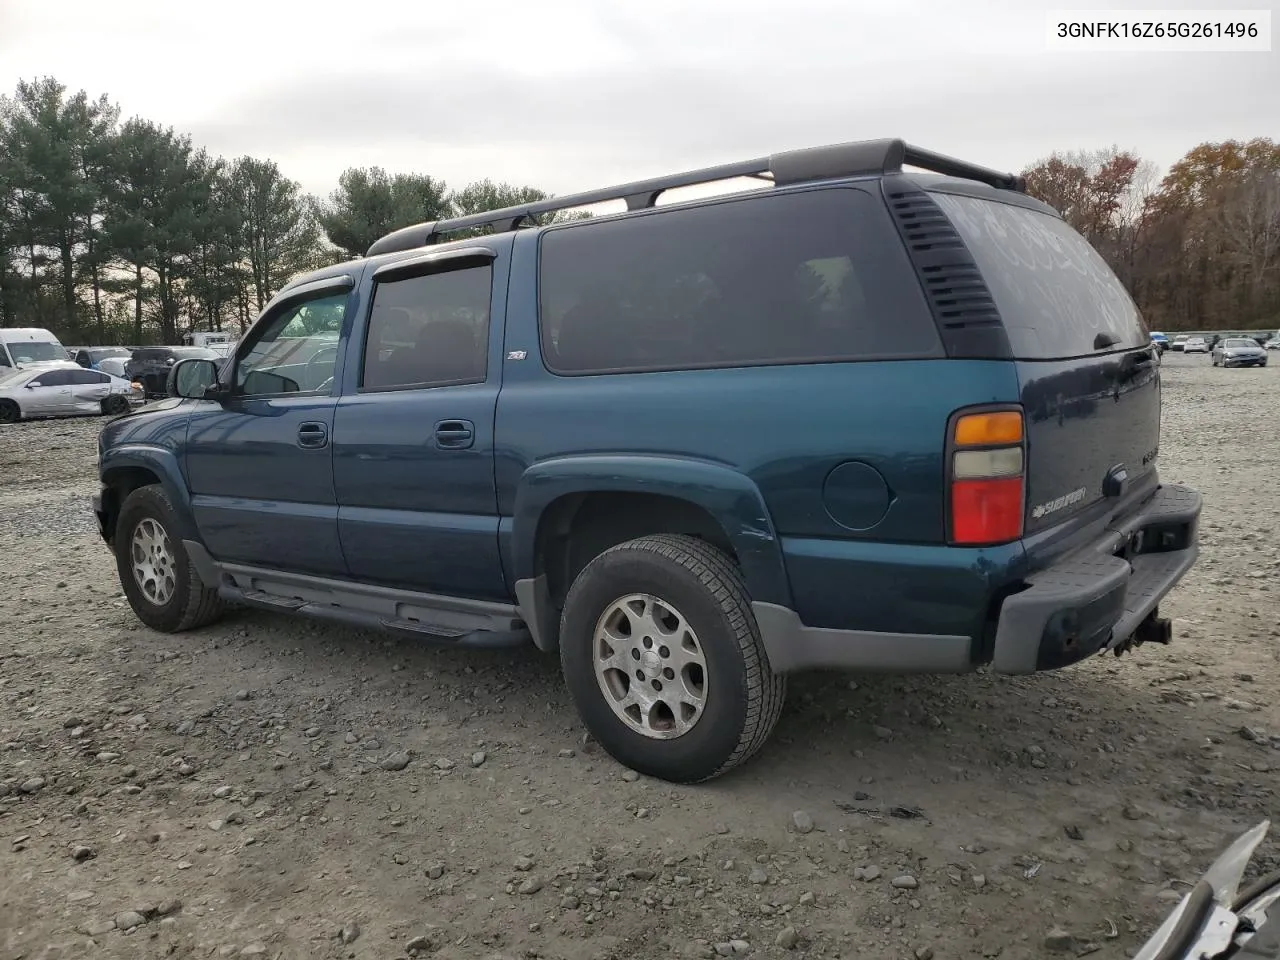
23, 348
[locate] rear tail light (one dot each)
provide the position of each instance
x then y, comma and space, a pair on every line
986, 477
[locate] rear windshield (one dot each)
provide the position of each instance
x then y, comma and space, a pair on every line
1054, 291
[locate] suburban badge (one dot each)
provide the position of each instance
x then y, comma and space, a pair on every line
1053, 506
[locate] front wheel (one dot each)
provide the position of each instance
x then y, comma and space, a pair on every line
664, 661
158, 577
9, 412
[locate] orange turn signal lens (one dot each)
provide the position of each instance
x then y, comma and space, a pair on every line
986, 429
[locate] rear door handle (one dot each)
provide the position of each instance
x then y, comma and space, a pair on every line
455, 434
312, 435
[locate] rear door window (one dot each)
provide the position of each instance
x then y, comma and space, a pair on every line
1054, 291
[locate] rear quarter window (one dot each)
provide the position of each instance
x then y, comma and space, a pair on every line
1054, 291
798, 277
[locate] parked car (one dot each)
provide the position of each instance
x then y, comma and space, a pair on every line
63, 392
665, 446
1239, 352
1272, 344
150, 366
30, 348
116, 365
1160, 341
91, 357
1195, 345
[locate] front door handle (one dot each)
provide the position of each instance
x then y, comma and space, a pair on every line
455, 434
312, 435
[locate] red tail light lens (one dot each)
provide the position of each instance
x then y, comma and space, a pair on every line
986, 473
986, 511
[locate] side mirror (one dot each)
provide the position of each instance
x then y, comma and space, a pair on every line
33, 384
193, 379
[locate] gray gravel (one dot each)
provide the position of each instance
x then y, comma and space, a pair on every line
1061, 813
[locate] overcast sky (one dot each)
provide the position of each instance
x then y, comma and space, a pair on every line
574, 94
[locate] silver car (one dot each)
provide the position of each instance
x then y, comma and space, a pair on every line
1239, 352
63, 392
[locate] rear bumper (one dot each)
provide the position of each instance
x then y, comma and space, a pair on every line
1095, 598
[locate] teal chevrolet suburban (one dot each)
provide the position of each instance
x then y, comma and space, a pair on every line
884, 413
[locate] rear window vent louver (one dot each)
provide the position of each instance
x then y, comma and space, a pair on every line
923, 224
962, 305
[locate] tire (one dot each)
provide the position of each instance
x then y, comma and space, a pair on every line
671, 577
186, 603
115, 405
10, 412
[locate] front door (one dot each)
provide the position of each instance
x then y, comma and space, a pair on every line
260, 463
48, 394
413, 434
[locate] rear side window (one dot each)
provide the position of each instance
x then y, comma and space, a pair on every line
84, 377
1054, 291
800, 277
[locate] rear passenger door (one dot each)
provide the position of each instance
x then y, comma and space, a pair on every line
88, 389
413, 431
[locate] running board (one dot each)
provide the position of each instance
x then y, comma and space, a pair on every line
448, 621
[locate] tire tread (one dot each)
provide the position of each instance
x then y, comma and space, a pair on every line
721, 578
203, 606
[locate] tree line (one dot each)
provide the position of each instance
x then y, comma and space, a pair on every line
127, 232
1199, 248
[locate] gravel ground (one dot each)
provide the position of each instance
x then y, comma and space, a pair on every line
282, 788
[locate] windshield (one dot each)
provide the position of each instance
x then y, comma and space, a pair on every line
1238, 342
198, 353
33, 351
102, 353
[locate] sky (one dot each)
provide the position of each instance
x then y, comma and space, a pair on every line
570, 95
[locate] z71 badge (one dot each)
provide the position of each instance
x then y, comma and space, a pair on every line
1053, 506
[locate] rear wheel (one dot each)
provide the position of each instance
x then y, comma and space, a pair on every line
664, 661
158, 577
9, 412
114, 404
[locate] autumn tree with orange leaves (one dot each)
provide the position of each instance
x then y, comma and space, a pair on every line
1200, 249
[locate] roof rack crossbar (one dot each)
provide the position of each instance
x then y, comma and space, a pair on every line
951, 167
856, 158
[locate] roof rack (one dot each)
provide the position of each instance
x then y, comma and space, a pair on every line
856, 158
